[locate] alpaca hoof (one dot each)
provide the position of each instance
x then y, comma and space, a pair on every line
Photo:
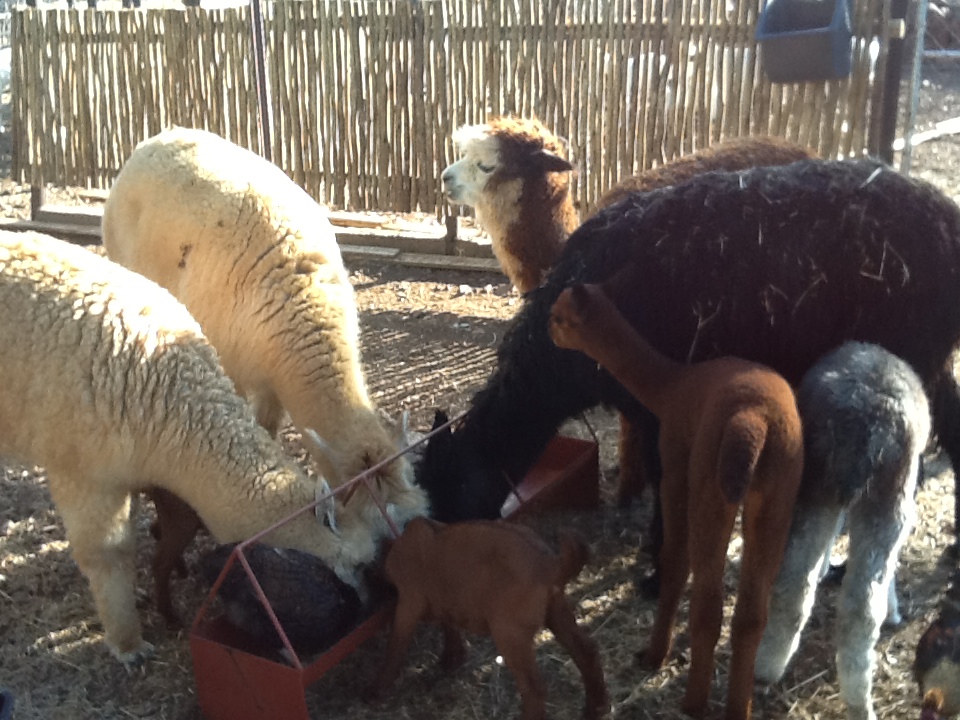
892, 622
694, 708
860, 713
649, 586
134, 659
647, 659
834, 576
373, 694
171, 620
595, 711
450, 661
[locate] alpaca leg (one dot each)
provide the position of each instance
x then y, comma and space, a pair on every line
894, 618
563, 624
405, 620
649, 585
516, 646
454, 651
178, 525
878, 530
631, 482
811, 537
766, 525
103, 544
946, 425
713, 519
639, 456
674, 565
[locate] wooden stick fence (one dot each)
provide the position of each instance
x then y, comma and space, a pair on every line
365, 93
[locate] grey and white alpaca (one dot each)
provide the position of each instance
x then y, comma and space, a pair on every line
866, 423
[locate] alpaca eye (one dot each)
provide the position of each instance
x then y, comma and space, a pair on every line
486, 168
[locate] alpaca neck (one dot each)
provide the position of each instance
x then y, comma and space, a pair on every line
631, 360
529, 223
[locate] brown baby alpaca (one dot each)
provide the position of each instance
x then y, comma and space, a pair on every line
729, 433
490, 578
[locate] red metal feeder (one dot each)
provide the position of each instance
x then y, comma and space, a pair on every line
237, 681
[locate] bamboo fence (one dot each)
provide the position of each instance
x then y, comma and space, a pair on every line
365, 94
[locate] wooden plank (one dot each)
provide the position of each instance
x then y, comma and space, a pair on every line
79, 234
68, 215
449, 262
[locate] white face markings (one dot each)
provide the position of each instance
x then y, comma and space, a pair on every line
464, 181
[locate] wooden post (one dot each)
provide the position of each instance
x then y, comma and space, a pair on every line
450, 239
37, 194
260, 73
891, 87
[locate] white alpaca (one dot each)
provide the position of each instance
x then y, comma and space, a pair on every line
109, 383
256, 262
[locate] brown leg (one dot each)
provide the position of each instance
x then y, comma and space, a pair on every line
713, 519
631, 481
766, 524
177, 525
454, 651
563, 624
405, 619
517, 648
674, 564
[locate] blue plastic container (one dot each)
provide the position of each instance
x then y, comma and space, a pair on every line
805, 40
6, 704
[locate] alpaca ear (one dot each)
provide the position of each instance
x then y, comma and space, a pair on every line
439, 445
440, 418
551, 162
335, 458
326, 508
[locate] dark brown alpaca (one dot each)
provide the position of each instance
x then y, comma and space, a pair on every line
729, 434
727, 156
490, 578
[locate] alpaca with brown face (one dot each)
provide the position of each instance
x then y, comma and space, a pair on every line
490, 578
515, 174
729, 435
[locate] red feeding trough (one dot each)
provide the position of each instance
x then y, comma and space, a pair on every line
237, 681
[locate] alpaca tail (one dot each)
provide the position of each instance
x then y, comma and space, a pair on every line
740, 447
574, 553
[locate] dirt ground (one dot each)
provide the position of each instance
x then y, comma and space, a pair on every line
429, 339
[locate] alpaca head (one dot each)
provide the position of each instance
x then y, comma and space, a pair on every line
572, 315
462, 484
514, 174
498, 158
